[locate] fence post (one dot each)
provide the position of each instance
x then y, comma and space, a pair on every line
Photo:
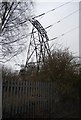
0, 91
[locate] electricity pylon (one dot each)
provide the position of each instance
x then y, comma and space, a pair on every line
38, 47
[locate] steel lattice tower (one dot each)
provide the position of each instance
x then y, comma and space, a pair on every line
38, 46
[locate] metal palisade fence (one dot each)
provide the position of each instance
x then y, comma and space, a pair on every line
28, 98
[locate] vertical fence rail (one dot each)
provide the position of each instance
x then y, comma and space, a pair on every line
26, 97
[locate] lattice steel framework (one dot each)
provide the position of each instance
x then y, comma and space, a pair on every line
38, 46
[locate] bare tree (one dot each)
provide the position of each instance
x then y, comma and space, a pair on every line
14, 26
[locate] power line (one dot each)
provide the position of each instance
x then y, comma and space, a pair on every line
42, 14
50, 11
50, 26
63, 34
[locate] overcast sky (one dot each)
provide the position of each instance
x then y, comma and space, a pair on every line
71, 39
69, 23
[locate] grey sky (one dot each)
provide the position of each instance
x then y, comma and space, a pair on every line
71, 39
